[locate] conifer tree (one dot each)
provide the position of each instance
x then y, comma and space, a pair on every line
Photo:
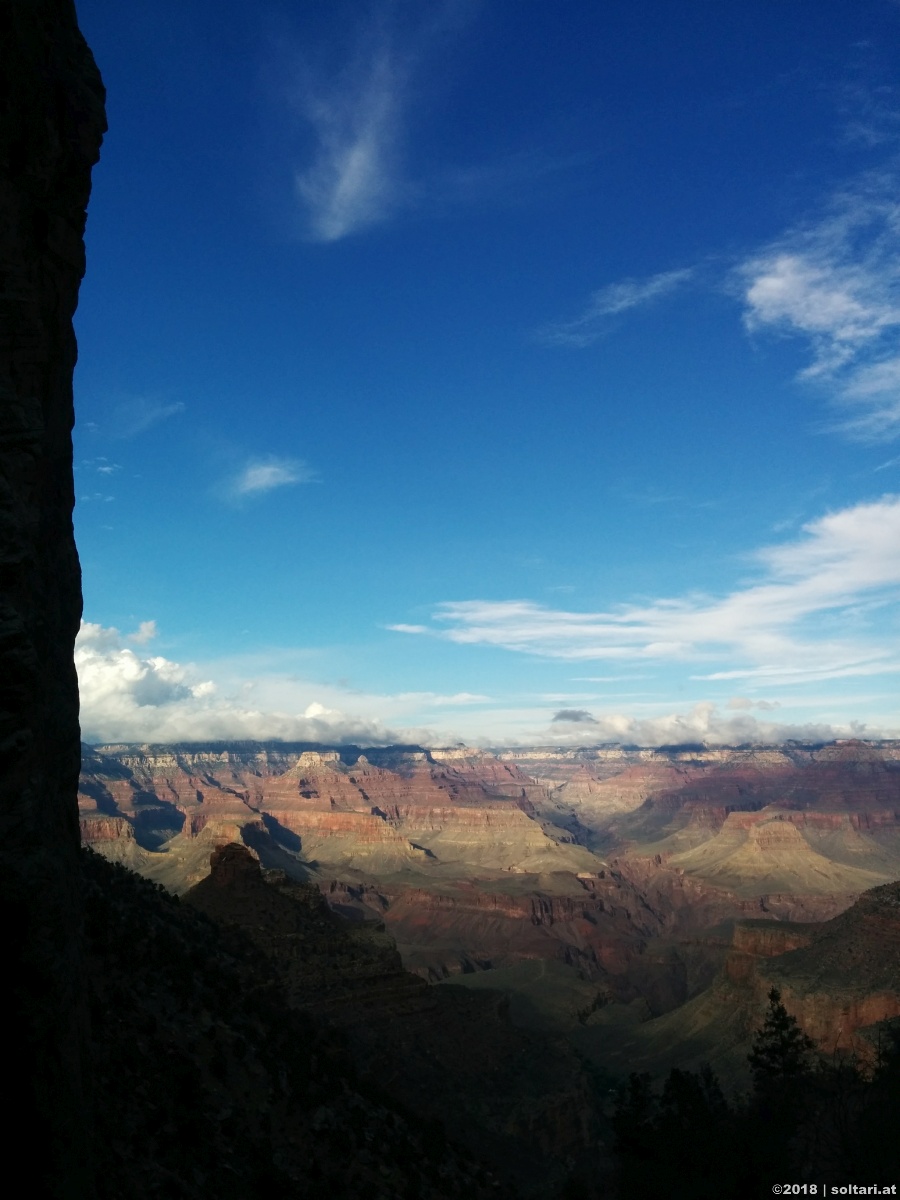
781, 1054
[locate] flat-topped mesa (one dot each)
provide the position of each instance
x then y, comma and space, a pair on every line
100, 828
810, 819
459, 754
314, 760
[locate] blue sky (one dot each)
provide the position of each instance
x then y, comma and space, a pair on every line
499, 372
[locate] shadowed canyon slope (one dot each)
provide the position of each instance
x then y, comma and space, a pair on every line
840, 979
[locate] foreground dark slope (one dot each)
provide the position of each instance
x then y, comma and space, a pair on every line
208, 1082
520, 1101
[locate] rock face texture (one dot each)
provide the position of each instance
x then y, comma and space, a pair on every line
51, 124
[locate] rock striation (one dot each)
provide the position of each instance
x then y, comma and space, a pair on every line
51, 125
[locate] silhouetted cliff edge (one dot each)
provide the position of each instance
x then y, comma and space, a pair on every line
51, 125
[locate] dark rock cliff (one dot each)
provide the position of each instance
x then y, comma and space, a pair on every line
51, 124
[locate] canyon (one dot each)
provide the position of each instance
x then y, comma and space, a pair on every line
608, 892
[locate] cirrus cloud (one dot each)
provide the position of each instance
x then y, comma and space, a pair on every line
813, 612
611, 301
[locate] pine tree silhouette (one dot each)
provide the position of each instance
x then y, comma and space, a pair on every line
781, 1053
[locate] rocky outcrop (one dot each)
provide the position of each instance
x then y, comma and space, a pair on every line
517, 1101
51, 124
346, 972
847, 977
212, 1084
839, 978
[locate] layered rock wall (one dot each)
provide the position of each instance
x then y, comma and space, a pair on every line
51, 124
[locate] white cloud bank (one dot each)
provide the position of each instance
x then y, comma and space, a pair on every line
808, 617
129, 695
703, 722
129, 698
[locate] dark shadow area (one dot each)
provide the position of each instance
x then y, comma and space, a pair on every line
153, 827
281, 834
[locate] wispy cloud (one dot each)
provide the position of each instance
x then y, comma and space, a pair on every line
359, 117
832, 282
358, 122
264, 475
136, 416
611, 301
359, 171
144, 633
101, 465
835, 283
812, 613
744, 704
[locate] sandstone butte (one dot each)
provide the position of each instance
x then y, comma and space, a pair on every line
598, 887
